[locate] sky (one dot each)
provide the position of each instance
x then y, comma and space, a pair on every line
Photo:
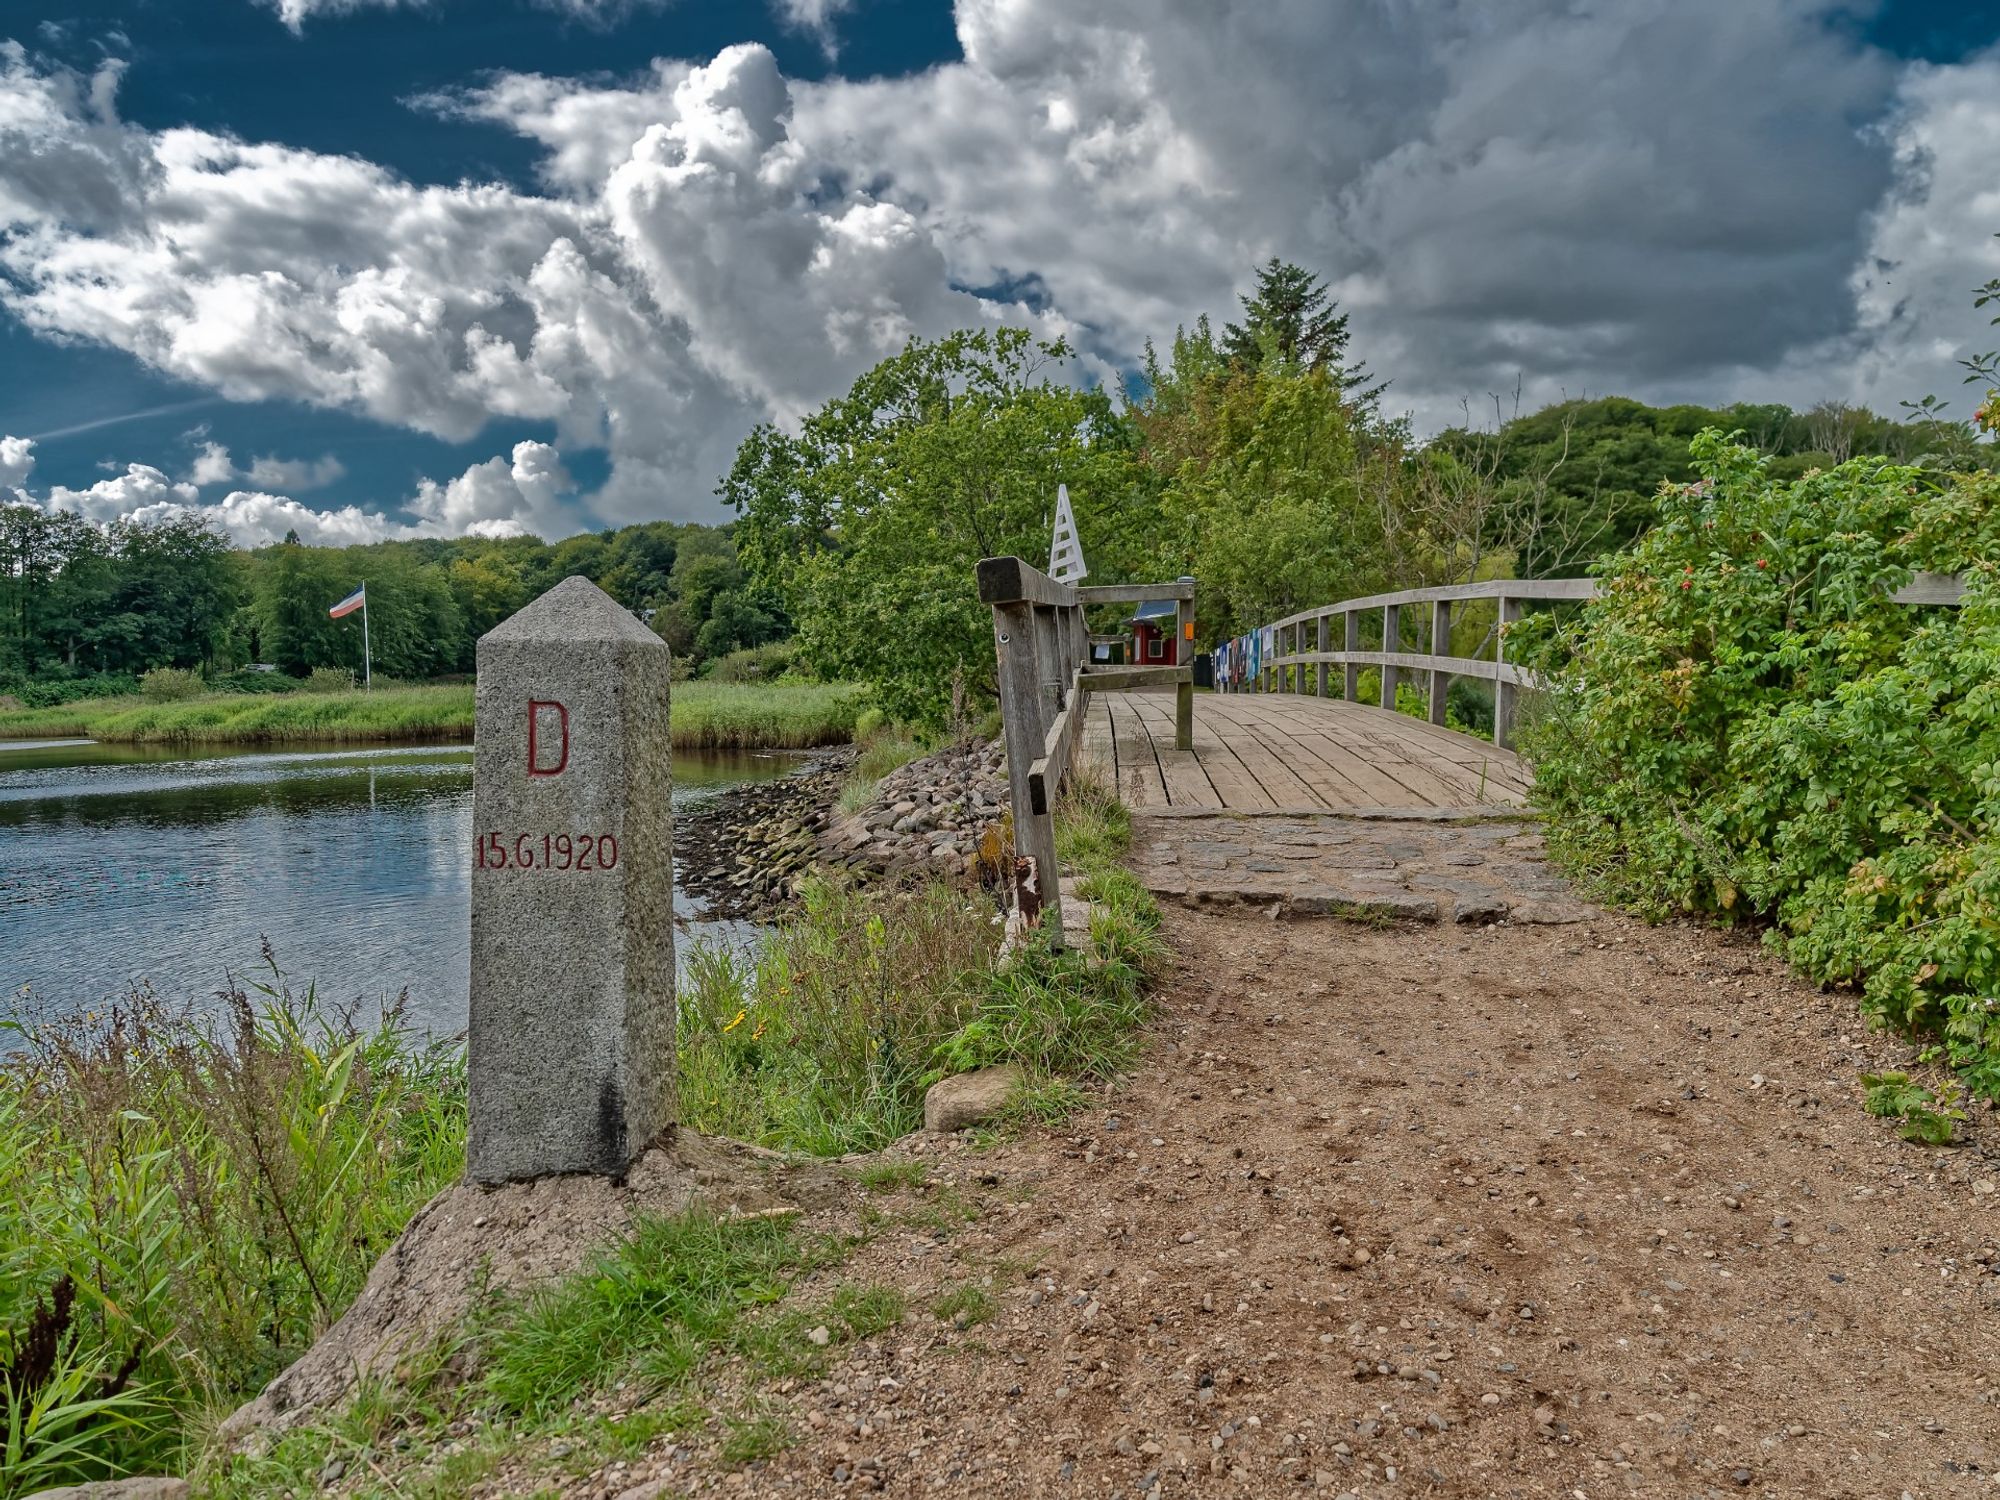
384, 268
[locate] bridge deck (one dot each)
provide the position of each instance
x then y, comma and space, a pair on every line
1265, 752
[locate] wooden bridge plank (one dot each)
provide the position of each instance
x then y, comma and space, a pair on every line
1140, 783
1324, 786
1236, 781
1264, 751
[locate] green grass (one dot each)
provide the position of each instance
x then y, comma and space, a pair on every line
966, 1305
706, 716
641, 1329
885, 750
892, 1176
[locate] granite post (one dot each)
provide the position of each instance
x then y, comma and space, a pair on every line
570, 1049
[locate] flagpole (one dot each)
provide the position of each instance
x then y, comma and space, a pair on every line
367, 663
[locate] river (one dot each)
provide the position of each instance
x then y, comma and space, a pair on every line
173, 866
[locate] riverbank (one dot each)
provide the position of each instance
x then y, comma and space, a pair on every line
824, 1041
706, 716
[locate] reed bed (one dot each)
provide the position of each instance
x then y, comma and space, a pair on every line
186, 1200
706, 716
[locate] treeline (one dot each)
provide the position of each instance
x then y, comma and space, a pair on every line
79, 602
1258, 459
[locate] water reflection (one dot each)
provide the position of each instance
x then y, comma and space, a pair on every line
122, 863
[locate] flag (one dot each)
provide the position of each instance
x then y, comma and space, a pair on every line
351, 603
1066, 564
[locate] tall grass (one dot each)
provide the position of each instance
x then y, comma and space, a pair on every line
825, 1037
781, 716
186, 1202
706, 715
884, 748
434, 712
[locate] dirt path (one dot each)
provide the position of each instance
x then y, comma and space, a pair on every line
1518, 1211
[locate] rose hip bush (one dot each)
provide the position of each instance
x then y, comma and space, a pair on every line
1744, 725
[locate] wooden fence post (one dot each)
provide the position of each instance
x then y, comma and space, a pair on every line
1015, 631
1440, 646
1505, 694
1183, 656
1048, 665
1352, 635
1321, 634
1392, 640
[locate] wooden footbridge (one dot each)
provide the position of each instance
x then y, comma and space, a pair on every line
1273, 740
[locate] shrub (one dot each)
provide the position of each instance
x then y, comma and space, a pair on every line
51, 692
171, 685
756, 664
1745, 725
329, 680
254, 682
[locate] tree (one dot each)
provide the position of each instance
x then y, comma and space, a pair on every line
869, 521
175, 581
1291, 319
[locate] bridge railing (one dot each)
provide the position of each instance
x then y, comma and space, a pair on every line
1042, 642
1283, 667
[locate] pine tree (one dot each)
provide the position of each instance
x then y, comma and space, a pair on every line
1290, 318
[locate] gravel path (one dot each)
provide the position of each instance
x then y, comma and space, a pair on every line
1586, 1211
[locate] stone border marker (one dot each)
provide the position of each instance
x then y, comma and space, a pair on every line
570, 1049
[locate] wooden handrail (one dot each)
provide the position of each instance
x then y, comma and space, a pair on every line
1041, 642
1508, 678
1134, 593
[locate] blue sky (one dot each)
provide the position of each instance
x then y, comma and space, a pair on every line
472, 291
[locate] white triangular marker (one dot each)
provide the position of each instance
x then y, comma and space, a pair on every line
1066, 564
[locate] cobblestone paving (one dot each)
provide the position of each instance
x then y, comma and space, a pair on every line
1407, 868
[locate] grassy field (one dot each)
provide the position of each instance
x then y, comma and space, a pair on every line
706, 716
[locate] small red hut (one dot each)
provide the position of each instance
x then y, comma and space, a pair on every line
1153, 634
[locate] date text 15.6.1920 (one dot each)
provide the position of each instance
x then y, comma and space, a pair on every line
545, 851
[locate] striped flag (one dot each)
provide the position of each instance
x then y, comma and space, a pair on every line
351, 603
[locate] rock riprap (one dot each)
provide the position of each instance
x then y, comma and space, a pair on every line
929, 815
743, 854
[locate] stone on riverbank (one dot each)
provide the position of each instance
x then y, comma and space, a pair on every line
970, 1098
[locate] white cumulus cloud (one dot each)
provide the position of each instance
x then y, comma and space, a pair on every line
1668, 198
814, 16
17, 460
213, 464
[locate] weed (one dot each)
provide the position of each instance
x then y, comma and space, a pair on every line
748, 1439
867, 1311
944, 1213
652, 1305
1928, 1119
891, 1176
210, 1192
965, 1305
